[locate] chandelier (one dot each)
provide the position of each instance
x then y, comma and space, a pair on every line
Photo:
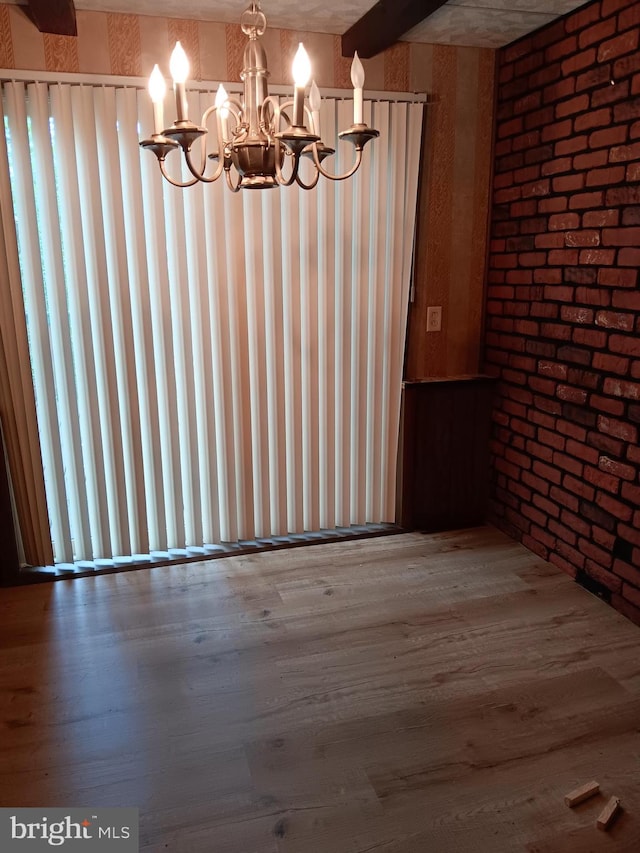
255, 137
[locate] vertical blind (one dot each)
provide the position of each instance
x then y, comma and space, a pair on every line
207, 366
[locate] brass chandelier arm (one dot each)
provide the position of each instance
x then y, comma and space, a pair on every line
325, 174
310, 186
178, 184
199, 175
286, 182
235, 188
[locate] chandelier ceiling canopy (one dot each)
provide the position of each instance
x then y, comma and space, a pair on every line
254, 137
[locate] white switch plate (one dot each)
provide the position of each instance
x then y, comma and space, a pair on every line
434, 318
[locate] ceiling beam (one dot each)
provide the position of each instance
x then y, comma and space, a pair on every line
53, 16
384, 23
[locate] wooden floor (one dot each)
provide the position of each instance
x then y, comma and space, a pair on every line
408, 694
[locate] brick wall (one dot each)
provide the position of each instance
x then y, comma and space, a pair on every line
563, 297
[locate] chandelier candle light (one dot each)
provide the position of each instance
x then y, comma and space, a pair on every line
249, 135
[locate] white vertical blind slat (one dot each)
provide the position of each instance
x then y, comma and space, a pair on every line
225, 365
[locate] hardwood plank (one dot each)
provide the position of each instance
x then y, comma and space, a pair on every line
444, 696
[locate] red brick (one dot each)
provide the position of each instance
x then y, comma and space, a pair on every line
613, 320
618, 46
594, 118
544, 309
606, 404
541, 486
583, 17
532, 259
621, 237
528, 173
561, 48
580, 275
603, 538
626, 298
563, 257
626, 608
536, 188
619, 429
575, 522
547, 276
617, 278
600, 218
507, 194
601, 257
629, 257
624, 152
631, 215
550, 241
564, 221
568, 183
624, 570
633, 172
607, 137
564, 498
552, 369
618, 469
579, 61
588, 337
571, 145
631, 594
526, 140
592, 159
542, 385
552, 439
601, 558
610, 363
605, 177
523, 208
572, 395
598, 32
560, 294
595, 76
623, 195
539, 118
579, 487
615, 91
617, 509
620, 388
518, 277
584, 378
627, 111
509, 128
592, 296
582, 451
553, 167
571, 430
582, 238
582, 200
559, 130
573, 314
601, 479
559, 89
629, 18
611, 6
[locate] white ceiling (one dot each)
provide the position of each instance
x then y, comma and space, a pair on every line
485, 23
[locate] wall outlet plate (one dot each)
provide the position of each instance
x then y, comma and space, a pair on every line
434, 318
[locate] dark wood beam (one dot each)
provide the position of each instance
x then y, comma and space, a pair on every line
53, 16
383, 25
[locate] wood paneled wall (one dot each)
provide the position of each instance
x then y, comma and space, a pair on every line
451, 244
